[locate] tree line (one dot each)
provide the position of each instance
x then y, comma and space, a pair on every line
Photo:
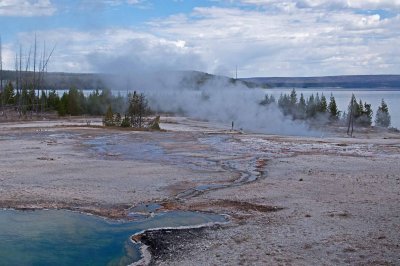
71, 102
317, 109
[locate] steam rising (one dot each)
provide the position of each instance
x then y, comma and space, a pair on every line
216, 99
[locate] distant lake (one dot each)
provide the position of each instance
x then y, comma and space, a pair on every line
343, 96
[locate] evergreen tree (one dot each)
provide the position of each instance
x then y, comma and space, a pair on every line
8, 94
284, 104
293, 98
272, 99
137, 109
333, 109
311, 107
62, 105
117, 120
323, 106
126, 122
268, 100
301, 107
317, 101
360, 109
367, 115
292, 109
109, 117
53, 100
94, 103
76, 102
382, 118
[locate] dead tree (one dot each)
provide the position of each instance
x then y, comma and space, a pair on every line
350, 126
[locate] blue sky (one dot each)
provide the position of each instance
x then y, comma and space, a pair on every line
261, 37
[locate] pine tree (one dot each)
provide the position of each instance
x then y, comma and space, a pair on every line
126, 122
76, 102
333, 109
9, 94
317, 101
53, 100
284, 104
311, 107
301, 107
137, 109
268, 100
62, 105
272, 99
293, 98
360, 109
117, 120
367, 116
323, 106
382, 118
109, 117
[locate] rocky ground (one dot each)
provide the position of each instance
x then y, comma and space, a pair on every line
292, 200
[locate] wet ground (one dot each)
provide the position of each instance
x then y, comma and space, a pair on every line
292, 200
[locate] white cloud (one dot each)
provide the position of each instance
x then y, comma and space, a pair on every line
112, 50
299, 42
357, 4
289, 41
26, 8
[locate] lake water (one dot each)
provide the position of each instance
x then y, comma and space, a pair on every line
56, 237
343, 96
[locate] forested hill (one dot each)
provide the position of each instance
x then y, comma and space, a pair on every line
91, 81
196, 79
356, 81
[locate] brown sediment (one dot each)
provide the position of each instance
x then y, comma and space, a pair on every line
235, 205
222, 206
112, 212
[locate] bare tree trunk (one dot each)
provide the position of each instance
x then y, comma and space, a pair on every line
20, 81
28, 65
17, 95
34, 73
43, 69
351, 119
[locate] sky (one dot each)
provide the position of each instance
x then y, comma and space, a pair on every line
267, 38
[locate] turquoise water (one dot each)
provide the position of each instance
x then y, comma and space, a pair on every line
56, 237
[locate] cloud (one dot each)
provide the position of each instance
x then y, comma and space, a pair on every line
288, 40
112, 50
27, 8
332, 4
292, 42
